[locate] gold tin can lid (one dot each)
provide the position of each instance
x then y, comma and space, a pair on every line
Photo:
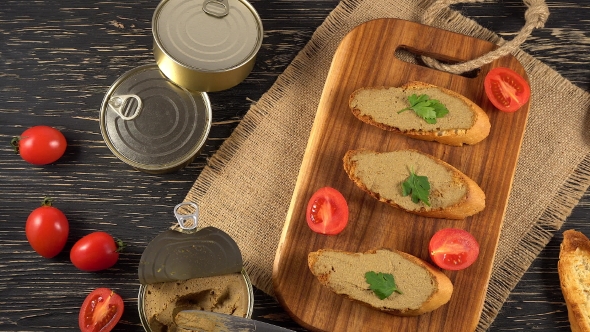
152, 124
196, 39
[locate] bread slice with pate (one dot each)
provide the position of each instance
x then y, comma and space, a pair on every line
574, 277
422, 288
452, 195
465, 123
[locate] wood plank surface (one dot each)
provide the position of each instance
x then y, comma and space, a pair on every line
58, 58
372, 224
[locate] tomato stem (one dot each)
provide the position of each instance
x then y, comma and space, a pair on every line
120, 245
47, 201
14, 143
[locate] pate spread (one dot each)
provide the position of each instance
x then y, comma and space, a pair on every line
384, 173
373, 102
227, 294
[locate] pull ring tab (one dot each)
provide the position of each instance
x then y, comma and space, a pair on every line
123, 104
217, 8
189, 220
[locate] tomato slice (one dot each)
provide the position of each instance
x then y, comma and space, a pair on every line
100, 311
453, 249
506, 89
327, 211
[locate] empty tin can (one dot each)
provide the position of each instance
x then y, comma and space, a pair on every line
206, 45
152, 124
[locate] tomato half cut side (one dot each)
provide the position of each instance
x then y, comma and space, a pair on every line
100, 311
506, 89
327, 211
453, 249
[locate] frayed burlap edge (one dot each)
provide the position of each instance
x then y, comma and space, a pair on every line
507, 274
508, 269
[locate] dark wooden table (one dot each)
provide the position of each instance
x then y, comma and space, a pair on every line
57, 59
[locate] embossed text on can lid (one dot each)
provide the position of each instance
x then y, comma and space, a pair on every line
153, 124
207, 35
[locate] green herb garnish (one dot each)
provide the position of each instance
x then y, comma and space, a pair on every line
382, 284
417, 186
426, 108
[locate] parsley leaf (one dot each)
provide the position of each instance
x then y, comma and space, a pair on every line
426, 108
382, 284
418, 186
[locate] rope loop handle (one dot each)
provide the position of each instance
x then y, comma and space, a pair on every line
535, 16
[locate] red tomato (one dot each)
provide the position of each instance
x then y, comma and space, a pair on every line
100, 311
47, 229
40, 145
453, 249
507, 90
327, 211
95, 251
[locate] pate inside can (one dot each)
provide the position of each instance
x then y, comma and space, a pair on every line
152, 124
157, 302
206, 45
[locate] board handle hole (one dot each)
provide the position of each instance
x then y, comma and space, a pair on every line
412, 56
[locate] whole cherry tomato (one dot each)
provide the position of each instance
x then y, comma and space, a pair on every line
506, 89
95, 251
327, 211
47, 229
40, 145
100, 311
453, 249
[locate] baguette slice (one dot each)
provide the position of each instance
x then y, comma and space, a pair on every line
574, 276
466, 123
453, 195
423, 288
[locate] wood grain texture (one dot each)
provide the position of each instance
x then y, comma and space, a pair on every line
58, 58
365, 59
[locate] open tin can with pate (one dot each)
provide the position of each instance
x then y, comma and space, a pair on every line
206, 45
191, 268
152, 124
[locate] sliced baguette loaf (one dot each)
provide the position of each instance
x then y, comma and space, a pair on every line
574, 276
453, 195
423, 288
466, 123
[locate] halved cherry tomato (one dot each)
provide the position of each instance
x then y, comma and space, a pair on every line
100, 311
47, 229
95, 251
40, 145
506, 89
327, 211
453, 249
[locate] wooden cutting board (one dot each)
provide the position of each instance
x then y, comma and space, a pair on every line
367, 57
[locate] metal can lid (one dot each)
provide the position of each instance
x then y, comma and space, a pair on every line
153, 124
207, 35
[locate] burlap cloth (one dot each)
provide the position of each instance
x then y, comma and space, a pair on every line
247, 185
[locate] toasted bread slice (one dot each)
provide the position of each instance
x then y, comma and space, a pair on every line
423, 288
574, 276
453, 195
466, 122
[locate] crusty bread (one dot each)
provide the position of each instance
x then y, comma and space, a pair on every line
423, 288
574, 276
466, 122
453, 195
